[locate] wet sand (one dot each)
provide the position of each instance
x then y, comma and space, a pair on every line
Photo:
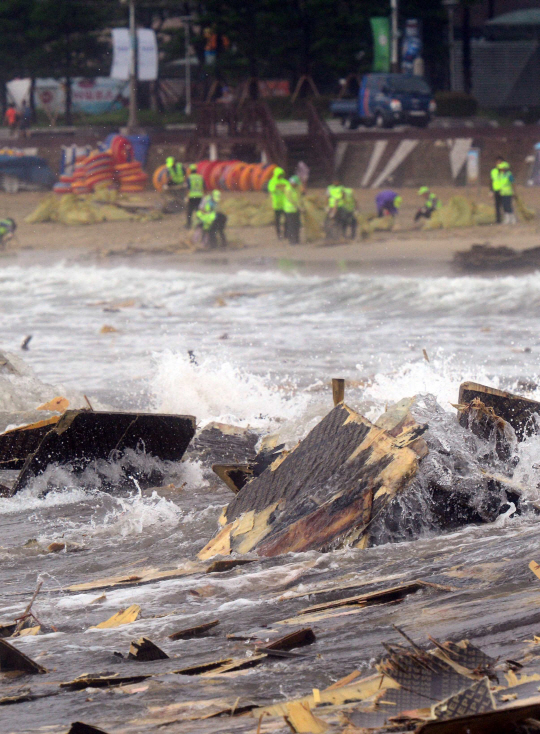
405, 248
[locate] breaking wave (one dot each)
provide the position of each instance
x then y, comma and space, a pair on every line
220, 391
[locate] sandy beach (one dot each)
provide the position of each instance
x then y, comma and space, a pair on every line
405, 248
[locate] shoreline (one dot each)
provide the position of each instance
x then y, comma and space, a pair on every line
403, 251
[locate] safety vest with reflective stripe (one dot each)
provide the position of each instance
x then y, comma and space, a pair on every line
176, 172
195, 185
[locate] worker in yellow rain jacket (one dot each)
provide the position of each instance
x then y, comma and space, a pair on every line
195, 184
506, 190
276, 189
212, 221
335, 212
292, 206
7, 231
496, 188
349, 207
175, 172
431, 203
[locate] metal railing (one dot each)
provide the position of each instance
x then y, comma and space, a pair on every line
323, 140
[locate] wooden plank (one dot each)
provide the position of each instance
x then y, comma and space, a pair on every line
383, 596
189, 632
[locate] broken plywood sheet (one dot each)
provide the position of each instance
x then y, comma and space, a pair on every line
144, 650
198, 631
491, 722
361, 690
13, 659
101, 681
519, 412
17, 444
322, 494
476, 699
221, 443
126, 616
82, 436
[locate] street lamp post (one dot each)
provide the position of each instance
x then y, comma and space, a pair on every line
450, 7
132, 117
187, 20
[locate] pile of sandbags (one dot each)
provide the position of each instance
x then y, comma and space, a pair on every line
114, 168
241, 212
102, 206
460, 212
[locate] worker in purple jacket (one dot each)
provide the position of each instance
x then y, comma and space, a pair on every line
388, 203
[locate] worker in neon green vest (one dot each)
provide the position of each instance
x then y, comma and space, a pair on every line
195, 183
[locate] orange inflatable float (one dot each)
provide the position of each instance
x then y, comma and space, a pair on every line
160, 177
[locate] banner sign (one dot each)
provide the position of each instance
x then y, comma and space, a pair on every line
380, 27
121, 54
90, 96
147, 55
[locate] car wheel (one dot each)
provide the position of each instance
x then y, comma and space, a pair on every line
354, 122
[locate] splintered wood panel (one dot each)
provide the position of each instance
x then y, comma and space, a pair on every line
320, 495
514, 409
80, 437
17, 444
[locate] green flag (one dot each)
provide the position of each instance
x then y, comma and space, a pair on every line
380, 28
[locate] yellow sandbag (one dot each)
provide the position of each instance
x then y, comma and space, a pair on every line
46, 210
313, 221
483, 214
380, 224
111, 213
105, 194
72, 210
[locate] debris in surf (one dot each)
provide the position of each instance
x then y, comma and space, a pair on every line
297, 504
300, 719
78, 727
139, 577
299, 638
223, 443
191, 632
126, 616
79, 437
88, 680
228, 564
58, 405
512, 719
518, 411
25, 346
144, 650
12, 659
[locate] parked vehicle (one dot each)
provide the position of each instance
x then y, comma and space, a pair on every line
385, 100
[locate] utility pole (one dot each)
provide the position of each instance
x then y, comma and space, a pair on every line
394, 67
132, 117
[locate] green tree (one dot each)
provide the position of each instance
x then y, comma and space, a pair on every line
16, 45
66, 36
